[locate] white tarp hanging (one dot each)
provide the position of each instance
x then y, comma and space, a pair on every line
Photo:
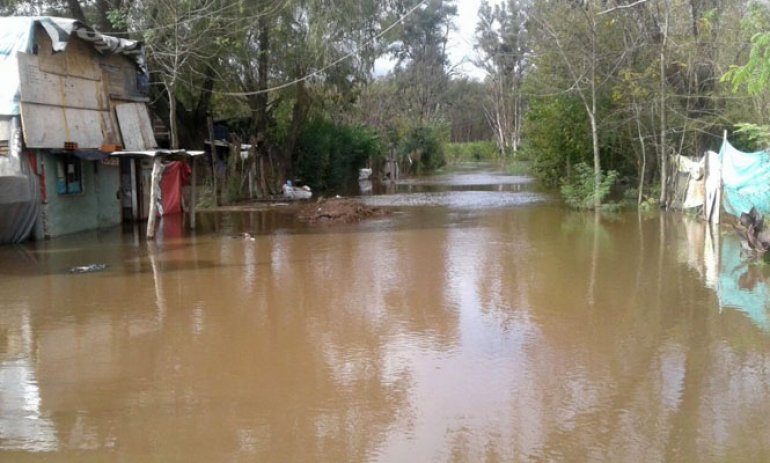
695, 193
713, 187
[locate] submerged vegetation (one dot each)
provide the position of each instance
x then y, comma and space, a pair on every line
579, 189
575, 90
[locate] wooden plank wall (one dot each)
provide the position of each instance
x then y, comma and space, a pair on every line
72, 96
135, 126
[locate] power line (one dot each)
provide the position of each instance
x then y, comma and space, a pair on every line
330, 65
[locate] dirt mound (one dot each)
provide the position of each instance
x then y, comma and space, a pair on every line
337, 210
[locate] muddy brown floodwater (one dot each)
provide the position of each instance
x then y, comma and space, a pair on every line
479, 321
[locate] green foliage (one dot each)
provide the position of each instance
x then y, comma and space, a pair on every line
118, 18
518, 167
756, 72
752, 137
578, 190
471, 152
424, 145
329, 154
557, 134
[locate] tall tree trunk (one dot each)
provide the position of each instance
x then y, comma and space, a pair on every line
263, 65
597, 159
643, 163
76, 10
297, 119
173, 126
663, 154
102, 8
592, 119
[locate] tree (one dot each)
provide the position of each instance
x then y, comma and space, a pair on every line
421, 58
574, 33
178, 35
501, 35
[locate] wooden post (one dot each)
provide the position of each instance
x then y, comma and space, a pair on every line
134, 190
154, 197
210, 123
193, 193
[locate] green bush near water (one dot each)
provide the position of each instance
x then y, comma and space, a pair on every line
518, 167
425, 145
578, 190
330, 155
476, 151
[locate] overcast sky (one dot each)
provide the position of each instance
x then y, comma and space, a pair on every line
461, 41
460, 47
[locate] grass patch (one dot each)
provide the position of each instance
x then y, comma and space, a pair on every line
518, 167
477, 151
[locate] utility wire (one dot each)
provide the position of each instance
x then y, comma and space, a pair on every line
330, 65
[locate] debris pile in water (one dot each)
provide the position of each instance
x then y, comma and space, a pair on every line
755, 237
337, 210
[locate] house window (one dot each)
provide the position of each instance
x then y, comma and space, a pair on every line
69, 176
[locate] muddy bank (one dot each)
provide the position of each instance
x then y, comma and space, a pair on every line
337, 210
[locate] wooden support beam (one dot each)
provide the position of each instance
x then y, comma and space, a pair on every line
210, 124
193, 194
157, 169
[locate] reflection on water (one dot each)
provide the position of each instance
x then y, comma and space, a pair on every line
22, 426
739, 283
515, 333
744, 286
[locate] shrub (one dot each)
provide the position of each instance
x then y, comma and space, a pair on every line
518, 167
472, 152
578, 190
557, 135
425, 145
329, 155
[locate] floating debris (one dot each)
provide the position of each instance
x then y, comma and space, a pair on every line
244, 236
88, 268
754, 236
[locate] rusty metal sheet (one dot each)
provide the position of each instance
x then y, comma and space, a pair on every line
135, 126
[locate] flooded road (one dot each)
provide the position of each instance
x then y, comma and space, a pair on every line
480, 321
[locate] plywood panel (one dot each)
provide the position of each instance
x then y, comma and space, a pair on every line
79, 59
82, 60
50, 126
49, 61
119, 74
135, 126
51, 89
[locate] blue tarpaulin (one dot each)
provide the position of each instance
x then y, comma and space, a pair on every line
745, 180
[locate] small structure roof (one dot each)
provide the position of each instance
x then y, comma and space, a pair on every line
17, 35
163, 153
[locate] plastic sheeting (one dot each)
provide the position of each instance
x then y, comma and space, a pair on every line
713, 187
176, 174
17, 35
19, 190
19, 207
745, 180
742, 286
696, 183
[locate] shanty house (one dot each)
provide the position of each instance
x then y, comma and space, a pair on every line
69, 96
